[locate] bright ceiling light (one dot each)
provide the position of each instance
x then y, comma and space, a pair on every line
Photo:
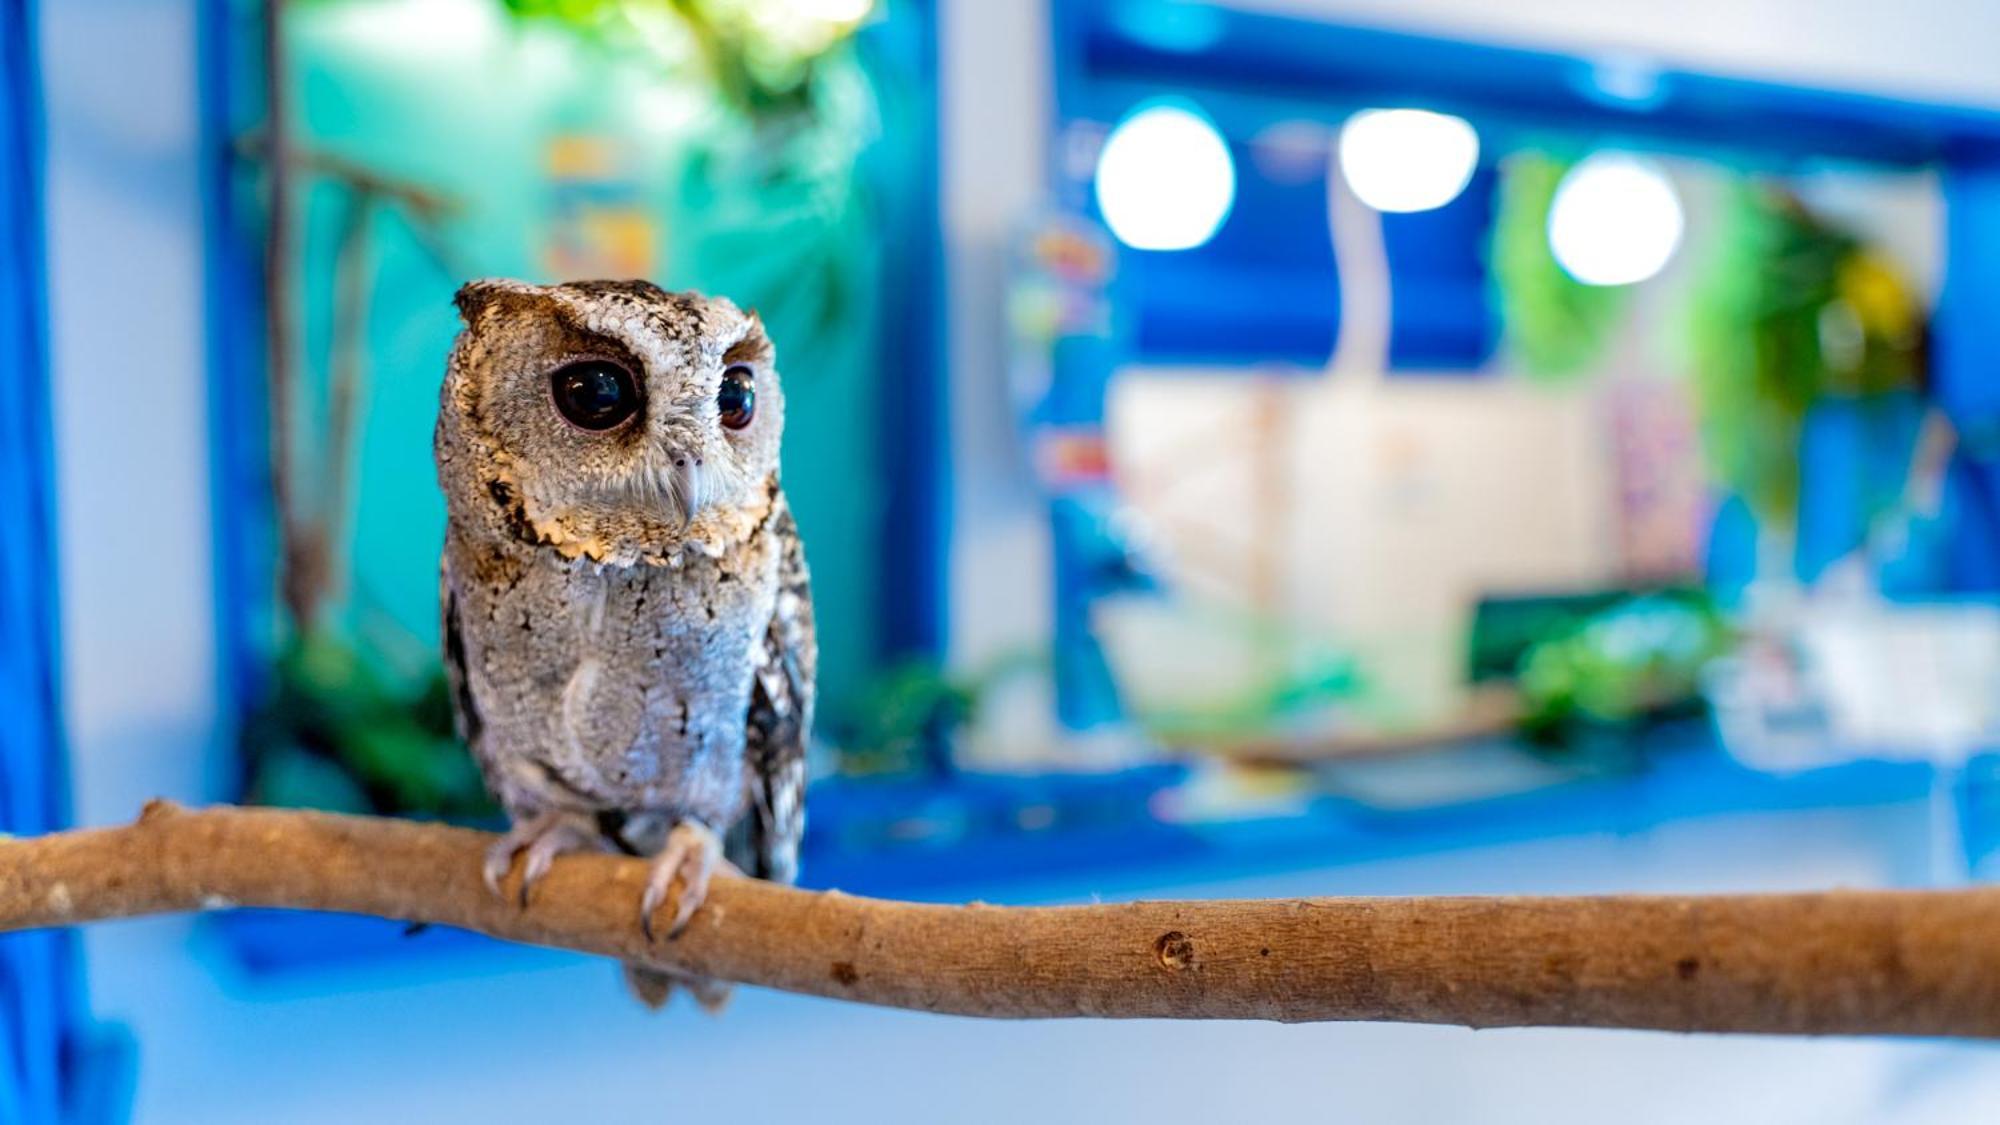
1165, 180
835, 11
1616, 220
416, 27
1407, 159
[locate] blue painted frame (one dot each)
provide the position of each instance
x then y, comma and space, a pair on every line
37, 970
1249, 70
233, 311
52, 1066
916, 526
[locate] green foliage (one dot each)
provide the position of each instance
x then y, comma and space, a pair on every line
780, 220
1789, 310
905, 716
904, 721
1555, 324
1758, 367
1255, 717
335, 733
1640, 658
762, 58
1304, 678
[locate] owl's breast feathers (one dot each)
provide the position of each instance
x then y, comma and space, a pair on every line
681, 686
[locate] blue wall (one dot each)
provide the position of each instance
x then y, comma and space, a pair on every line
37, 974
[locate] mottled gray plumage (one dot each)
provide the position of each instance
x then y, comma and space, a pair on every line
626, 615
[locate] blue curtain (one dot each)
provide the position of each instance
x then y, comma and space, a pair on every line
36, 970
1967, 336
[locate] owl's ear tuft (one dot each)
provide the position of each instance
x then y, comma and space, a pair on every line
754, 347
475, 297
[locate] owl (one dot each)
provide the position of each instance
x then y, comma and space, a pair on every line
627, 623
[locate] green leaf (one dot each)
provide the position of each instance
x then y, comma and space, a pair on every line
1556, 325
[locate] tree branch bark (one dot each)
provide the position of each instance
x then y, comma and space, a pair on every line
1843, 962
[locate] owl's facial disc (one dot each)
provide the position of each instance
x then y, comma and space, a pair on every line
706, 438
684, 452
619, 413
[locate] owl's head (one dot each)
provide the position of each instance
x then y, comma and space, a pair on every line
609, 419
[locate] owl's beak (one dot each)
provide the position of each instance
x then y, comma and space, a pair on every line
685, 488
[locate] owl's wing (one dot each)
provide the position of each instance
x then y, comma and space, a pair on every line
464, 709
780, 720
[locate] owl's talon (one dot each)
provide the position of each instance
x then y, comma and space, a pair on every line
543, 837
499, 860
694, 855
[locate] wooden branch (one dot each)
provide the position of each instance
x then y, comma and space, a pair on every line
1843, 962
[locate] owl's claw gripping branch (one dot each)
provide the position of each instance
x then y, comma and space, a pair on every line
1842, 962
692, 855
543, 838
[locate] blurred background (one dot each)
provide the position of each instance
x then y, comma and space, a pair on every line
1274, 447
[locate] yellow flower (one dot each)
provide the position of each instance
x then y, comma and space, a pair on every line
1884, 302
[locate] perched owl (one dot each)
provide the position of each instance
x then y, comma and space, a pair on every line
626, 620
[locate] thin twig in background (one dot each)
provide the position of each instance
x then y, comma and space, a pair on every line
347, 359
301, 554
312, 561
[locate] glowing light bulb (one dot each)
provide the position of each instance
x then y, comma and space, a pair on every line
1165, 180
1407, 159
835, 11
417, 27
1616, 220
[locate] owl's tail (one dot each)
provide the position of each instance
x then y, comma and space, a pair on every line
654, 987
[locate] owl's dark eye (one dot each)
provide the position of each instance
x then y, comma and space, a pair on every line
736, 402
594, 394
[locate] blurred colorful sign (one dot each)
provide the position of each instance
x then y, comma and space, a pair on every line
598, 222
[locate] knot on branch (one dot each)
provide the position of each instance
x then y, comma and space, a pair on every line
159, 809
1175, 951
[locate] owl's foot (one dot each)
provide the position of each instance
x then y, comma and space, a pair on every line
543, 837
654, 987
694, 855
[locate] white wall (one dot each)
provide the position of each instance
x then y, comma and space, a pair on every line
124, 260
996, 106
1939, 49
